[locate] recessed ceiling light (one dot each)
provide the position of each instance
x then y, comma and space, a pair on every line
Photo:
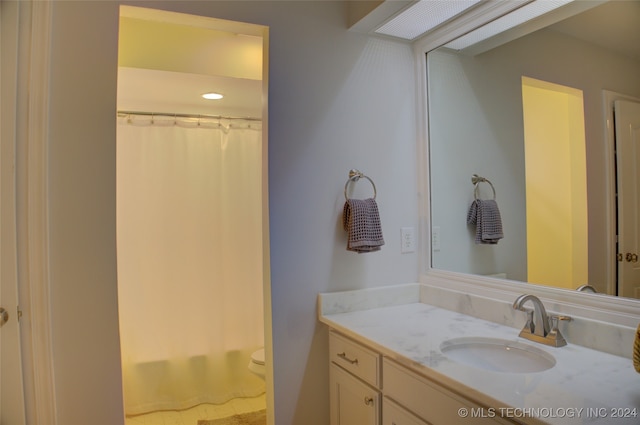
212, 96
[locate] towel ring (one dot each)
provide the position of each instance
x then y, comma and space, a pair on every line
354, 176
476, 180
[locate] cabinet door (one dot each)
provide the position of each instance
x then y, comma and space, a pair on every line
393, 414
352, 401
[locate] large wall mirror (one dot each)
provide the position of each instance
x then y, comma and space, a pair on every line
534, 116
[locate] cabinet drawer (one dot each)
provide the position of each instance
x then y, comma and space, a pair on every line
428, 400
393, 414
357, 359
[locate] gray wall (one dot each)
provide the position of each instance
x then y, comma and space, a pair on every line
338, 100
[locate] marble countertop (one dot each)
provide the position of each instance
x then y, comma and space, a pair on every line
584, 387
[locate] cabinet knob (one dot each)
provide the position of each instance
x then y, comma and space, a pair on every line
368, 401
632, 257
4, 316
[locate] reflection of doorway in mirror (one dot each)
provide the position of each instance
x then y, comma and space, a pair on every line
627, 131
556, 186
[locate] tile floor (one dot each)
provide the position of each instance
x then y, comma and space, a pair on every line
203, 411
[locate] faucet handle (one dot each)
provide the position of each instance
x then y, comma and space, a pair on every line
554, 334
556, 318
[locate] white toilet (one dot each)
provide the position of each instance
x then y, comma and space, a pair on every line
256, 364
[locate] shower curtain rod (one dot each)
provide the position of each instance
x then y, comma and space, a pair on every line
174, 115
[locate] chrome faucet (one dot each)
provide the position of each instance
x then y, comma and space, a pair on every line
587, 288
540, 327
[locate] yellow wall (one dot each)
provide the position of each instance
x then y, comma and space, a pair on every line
556, 193
183, 48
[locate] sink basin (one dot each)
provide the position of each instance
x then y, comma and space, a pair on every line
497, 355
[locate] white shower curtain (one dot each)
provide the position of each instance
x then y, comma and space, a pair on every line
189, 260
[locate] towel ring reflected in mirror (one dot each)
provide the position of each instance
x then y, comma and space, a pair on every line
354, 176
476, 180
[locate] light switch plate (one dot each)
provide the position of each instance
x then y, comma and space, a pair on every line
435, 238
408, 240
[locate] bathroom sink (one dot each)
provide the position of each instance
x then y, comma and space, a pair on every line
497, 355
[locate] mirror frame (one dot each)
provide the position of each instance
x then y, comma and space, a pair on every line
608, 308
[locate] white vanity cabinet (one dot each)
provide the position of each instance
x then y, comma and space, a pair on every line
370, 389
354, 378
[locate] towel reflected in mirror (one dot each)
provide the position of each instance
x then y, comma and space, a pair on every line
485, 215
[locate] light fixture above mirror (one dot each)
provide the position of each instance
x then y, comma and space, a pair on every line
420, 17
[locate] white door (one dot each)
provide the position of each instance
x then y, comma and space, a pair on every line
627, 119
11, 386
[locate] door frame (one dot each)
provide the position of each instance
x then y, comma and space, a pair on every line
263, 31
30, 203
12, 406
32, 213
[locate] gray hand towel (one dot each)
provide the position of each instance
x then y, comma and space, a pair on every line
486, 216
361, 221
